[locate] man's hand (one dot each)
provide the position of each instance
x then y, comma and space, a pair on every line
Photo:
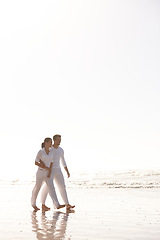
68, 174
50, 169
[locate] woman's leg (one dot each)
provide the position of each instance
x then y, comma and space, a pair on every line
44, 194
39, 180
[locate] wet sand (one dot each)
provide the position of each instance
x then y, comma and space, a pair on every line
99, 214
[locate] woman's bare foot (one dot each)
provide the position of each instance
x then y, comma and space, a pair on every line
61, 206
35, 208
45, 208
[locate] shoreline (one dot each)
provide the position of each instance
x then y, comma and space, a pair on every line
99, 214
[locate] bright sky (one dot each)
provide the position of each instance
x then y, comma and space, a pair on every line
88, 70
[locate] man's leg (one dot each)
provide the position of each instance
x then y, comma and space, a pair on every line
52, 193
59, 179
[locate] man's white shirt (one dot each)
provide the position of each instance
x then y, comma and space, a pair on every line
58, 155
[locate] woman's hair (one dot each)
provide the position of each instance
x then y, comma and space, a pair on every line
46, 140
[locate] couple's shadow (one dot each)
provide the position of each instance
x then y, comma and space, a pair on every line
50, 225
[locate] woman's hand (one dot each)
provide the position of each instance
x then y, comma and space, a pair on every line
41, 164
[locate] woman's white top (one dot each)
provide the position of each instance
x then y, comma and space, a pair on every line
58, 155
46, 158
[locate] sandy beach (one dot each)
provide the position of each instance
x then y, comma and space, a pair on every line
100, 213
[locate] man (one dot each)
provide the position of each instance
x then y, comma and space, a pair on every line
58, 154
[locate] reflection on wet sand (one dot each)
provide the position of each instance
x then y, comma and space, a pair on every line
52, 227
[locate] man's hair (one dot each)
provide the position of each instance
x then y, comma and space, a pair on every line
55, 136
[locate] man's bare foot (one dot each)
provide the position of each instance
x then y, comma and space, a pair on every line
45, 208
68, 207
61, 206
35, 208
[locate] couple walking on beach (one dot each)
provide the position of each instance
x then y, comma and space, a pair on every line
48, 162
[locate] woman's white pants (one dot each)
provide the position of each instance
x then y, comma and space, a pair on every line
59, 180
41, 176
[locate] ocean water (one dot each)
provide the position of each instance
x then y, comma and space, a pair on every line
104, 179
118, 179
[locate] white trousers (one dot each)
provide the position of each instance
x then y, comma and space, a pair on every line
41, 176
59, 180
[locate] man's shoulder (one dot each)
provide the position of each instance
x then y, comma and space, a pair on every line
61, 149
55, 149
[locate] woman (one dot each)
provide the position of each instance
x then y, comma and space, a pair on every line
44, 161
